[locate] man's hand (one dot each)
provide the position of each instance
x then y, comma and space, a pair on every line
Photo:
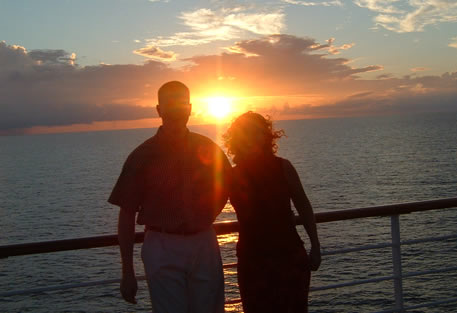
129, 287
315, 258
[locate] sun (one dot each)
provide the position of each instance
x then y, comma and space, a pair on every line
219, 107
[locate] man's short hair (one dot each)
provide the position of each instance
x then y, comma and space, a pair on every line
173, 88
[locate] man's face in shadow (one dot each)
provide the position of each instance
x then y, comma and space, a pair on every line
174, 107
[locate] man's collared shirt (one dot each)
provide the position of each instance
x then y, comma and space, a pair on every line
178, 184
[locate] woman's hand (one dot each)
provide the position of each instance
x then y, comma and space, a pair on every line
315, 258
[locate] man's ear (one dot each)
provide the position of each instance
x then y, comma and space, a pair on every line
158, 110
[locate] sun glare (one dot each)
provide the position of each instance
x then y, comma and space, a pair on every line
219, 107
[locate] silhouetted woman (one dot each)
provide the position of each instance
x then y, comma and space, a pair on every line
273, 266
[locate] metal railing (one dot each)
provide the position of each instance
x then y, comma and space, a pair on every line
394, 211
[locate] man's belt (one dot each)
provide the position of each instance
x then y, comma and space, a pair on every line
183, 232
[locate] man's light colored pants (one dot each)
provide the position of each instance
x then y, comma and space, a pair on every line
184, 273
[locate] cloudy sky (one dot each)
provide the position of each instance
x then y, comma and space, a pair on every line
84, 65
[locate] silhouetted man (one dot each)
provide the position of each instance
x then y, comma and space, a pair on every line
177, 183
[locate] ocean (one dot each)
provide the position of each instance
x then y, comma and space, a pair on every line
55, 186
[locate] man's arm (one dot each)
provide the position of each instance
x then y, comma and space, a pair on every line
126, 237
305, 211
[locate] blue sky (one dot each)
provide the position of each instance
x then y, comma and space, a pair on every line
409, 42
106, 30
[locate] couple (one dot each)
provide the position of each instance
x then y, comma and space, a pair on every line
177, 182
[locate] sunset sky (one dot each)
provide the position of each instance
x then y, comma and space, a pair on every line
72, 65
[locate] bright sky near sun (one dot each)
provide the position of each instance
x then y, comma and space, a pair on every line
84, 64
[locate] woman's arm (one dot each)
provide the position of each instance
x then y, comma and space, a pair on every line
305, 211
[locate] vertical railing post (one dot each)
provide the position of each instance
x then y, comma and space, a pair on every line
396, 261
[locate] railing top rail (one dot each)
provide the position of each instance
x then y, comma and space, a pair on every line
386, 210
225, 227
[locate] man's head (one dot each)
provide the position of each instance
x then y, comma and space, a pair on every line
174, 104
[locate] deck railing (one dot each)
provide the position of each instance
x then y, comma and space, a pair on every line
393, 211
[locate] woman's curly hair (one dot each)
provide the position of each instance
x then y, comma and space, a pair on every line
245, 124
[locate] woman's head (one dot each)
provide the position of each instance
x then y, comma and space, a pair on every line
250, 135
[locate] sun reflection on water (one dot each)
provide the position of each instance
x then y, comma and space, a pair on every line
227, 239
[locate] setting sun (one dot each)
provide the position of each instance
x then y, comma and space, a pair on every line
219, 107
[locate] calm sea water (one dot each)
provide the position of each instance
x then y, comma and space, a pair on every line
55, 186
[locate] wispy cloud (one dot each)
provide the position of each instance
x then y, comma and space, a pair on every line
453, 43
156, 53
315, 3
412, 16
335, 49
380, 6
206, 25
419, 69
260, 24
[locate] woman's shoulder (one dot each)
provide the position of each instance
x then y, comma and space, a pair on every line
289, 171
285, 163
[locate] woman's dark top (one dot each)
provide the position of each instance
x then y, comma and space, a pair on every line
261, 199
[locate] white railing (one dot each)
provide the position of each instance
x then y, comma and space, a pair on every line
394, 211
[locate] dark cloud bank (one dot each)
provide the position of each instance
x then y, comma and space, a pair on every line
49, 88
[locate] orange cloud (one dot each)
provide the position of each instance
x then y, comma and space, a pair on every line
278, 65
156, 53
419, 69
284, 74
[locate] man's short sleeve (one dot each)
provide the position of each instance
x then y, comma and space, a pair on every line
128, 191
